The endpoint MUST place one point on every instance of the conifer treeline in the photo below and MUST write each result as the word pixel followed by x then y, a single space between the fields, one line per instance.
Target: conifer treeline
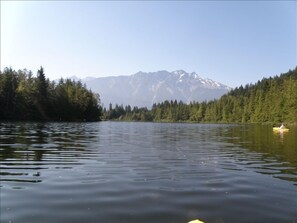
pixel 24 97
pixel 271 100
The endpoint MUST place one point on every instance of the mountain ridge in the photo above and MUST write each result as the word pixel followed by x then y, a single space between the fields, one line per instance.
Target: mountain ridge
pixel 143 89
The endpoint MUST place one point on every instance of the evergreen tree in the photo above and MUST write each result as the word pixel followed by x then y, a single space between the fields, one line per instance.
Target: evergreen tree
pixel 23 97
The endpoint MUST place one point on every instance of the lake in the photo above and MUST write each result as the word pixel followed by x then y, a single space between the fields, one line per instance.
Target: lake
pixel 112 172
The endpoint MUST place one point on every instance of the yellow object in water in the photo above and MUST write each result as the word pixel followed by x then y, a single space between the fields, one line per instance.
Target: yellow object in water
pixel 196 221
pixel 280 130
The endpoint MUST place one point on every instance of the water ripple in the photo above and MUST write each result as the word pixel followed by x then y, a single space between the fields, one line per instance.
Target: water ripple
pixel 145 172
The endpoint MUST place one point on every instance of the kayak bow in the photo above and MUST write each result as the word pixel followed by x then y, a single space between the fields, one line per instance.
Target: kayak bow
pixel 196 221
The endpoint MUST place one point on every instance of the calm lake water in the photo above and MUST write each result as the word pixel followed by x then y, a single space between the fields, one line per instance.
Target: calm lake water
pixel 112 172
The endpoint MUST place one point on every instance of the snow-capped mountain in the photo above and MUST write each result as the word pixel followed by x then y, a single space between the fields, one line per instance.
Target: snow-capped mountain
pixel 144 89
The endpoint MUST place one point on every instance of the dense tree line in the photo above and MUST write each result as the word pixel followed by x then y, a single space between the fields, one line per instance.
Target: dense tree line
pixel 271 100
pixel 25 97
pixel 119 112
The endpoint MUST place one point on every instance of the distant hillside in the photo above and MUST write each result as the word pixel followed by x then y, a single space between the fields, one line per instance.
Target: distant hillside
pixel 144 89
pixel 271 100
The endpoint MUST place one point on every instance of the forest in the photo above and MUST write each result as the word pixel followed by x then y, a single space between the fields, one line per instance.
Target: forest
pixel 270 100
pixel 24 97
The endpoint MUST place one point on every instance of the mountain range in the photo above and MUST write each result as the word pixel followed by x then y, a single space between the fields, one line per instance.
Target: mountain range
pixel 143 89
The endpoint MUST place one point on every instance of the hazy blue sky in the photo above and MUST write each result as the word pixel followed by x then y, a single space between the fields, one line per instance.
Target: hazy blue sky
pixel 233 42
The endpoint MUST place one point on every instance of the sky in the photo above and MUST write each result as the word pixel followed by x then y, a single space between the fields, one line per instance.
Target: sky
pixel 233 42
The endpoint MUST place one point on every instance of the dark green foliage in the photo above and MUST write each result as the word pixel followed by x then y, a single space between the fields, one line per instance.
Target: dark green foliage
pixel 24 97
pixel 272 100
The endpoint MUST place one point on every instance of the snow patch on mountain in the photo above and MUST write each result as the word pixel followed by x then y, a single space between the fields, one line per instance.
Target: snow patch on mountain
pixel 144 89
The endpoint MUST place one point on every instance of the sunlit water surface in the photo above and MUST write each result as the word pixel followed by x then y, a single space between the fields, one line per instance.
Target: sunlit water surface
pixel 112 172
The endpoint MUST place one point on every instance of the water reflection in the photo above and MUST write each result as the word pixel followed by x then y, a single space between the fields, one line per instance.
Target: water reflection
pixel 267 152
pixel 28 148
pixel 146 172
pixel 280 136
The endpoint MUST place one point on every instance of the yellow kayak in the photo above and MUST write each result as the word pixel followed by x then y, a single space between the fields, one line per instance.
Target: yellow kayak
pixel 196 221
pixel 278 129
